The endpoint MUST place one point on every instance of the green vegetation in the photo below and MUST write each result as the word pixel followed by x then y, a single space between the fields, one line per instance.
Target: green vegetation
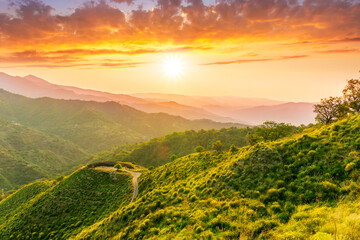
pixel 27 154
pixel 288 189
pixel 301 187
pixel 95 126
pixel 68 206
pixel 217 146
pixel 271 131
pixel 289 183
pixel 159 151
pixel 15 202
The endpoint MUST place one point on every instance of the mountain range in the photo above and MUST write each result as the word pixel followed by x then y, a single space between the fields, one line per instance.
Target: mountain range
pixel 46 137
pixel 251 111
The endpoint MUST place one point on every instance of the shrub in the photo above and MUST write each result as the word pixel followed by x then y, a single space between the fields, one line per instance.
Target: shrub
pixel 198 229
pixel 217 146
pixel 275 207
pixel 350 166
pixel 193 198
pixel 60 178
pixel 173 157
pixel 199 149
pixel 219 223
pixel 118 166
pixel 263 225
pixel 233 149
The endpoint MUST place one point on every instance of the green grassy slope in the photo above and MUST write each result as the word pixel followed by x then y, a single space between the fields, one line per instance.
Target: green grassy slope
pixel 158 151
pixel 94 126
pixel 27 154
pixel 68 206
pixel 14 203
pixel 288 189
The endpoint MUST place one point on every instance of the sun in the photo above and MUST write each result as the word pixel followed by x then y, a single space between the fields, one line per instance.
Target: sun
pixel 173 67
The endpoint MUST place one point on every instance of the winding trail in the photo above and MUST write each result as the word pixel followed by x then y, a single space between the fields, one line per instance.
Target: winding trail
pixel 135 176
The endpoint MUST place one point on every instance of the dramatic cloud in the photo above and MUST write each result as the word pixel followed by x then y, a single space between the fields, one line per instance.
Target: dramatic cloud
pixel 174 23
pixel 60 59
pixel 128 2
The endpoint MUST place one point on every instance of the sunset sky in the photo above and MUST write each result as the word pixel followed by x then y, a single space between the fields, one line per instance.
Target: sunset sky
pixel 280 49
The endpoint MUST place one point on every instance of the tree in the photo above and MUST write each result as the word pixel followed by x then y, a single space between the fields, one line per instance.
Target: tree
pixel 351 94
pixel 173 157
pixel 330 109
pixel 233 149
pixel 60 178
pixel 217 146
pixel 270 131
pixel 252 138
pixel 199 149
pixel 118 166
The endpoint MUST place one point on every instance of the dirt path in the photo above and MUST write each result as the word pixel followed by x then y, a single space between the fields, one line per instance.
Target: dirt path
pixel 135 175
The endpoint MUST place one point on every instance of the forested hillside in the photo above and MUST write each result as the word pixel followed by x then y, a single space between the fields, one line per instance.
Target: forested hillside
pixel 301 187
pixel 95 126
pixel 288 189
pixel 27 154
pixel 60 209
pixel 159 151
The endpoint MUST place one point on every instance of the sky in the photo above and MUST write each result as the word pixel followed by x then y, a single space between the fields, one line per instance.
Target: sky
pixel 279 49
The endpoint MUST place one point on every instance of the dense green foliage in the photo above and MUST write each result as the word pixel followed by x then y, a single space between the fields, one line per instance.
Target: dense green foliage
pixel 159 151
pixel 27 154
pixel 94 126
pixel 271 131
pixel 287 189
pixel 65 208
pixel 14 203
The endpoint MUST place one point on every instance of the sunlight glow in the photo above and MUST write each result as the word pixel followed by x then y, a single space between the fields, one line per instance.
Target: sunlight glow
pixel 173 67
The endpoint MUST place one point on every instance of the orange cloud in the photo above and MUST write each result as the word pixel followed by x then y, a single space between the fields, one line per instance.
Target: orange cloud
pixel 184 27
pixel 60 59
pixel 256 60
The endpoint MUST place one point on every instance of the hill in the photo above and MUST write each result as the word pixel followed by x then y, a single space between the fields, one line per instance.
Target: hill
pixel 57 210
pixel 27 154
pixel 34 87
pixel 251 111
pixel 295 113
pixel 159 151
pixel 95 126
pixel 289 189
pixel 205 101
pixel 301 187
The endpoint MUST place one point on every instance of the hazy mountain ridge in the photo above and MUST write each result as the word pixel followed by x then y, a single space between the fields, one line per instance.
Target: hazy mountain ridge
pixel 34 87
pixel 223 109
pixel 294 113
pixel 46 137
pixel 95 126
